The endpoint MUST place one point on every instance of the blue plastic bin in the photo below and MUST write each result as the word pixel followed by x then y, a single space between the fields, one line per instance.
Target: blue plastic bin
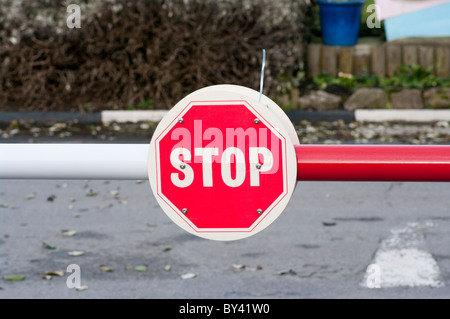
pixel 340 21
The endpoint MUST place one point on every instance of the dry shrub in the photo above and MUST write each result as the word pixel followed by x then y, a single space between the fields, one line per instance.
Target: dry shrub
pixel 129 52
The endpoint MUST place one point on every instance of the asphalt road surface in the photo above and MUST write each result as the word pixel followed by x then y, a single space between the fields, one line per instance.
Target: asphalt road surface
pixel 334 240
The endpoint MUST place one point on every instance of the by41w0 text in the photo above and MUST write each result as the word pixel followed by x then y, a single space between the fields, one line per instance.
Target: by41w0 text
pixel 226 308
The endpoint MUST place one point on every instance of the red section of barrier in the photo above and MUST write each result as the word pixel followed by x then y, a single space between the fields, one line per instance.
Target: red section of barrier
pixel 409 163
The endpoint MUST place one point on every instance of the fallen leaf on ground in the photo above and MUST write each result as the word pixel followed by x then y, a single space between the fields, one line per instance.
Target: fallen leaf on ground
pixel 106 268
pixel 14 278
pixel 75 253
pixel 105 206
pixel 114 192
pixel 238 266
pixel 141 268
pixel 91 193
pixel 81 288
pixel 58 273
pixel 188 276
pixel 287 272
pixel 328 223
pixel 69 233
pixel 242 266
pixel 48 246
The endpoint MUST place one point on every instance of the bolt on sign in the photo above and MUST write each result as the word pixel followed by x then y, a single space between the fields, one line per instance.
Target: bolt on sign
pixel 222 164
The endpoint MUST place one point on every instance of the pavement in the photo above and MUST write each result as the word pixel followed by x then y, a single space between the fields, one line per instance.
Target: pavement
pixel 324 245
pixel 334 240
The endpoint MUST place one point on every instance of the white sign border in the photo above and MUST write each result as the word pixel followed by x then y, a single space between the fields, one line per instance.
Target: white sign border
pixel 268 116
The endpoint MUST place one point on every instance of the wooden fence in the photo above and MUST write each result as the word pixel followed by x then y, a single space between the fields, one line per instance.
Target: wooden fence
pixel 381 59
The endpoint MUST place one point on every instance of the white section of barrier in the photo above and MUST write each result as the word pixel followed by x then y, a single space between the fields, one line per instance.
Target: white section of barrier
pixel 74 161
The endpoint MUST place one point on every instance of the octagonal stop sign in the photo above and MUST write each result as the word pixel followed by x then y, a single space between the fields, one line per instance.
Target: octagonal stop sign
pixel 221 164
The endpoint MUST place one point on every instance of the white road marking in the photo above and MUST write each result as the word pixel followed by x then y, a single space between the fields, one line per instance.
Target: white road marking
pixel 402 261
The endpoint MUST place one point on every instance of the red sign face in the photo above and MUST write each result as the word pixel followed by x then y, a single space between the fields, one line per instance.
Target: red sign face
pixel 220 168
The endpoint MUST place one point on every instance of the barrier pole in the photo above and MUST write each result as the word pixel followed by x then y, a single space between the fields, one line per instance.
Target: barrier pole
pixel 409 163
